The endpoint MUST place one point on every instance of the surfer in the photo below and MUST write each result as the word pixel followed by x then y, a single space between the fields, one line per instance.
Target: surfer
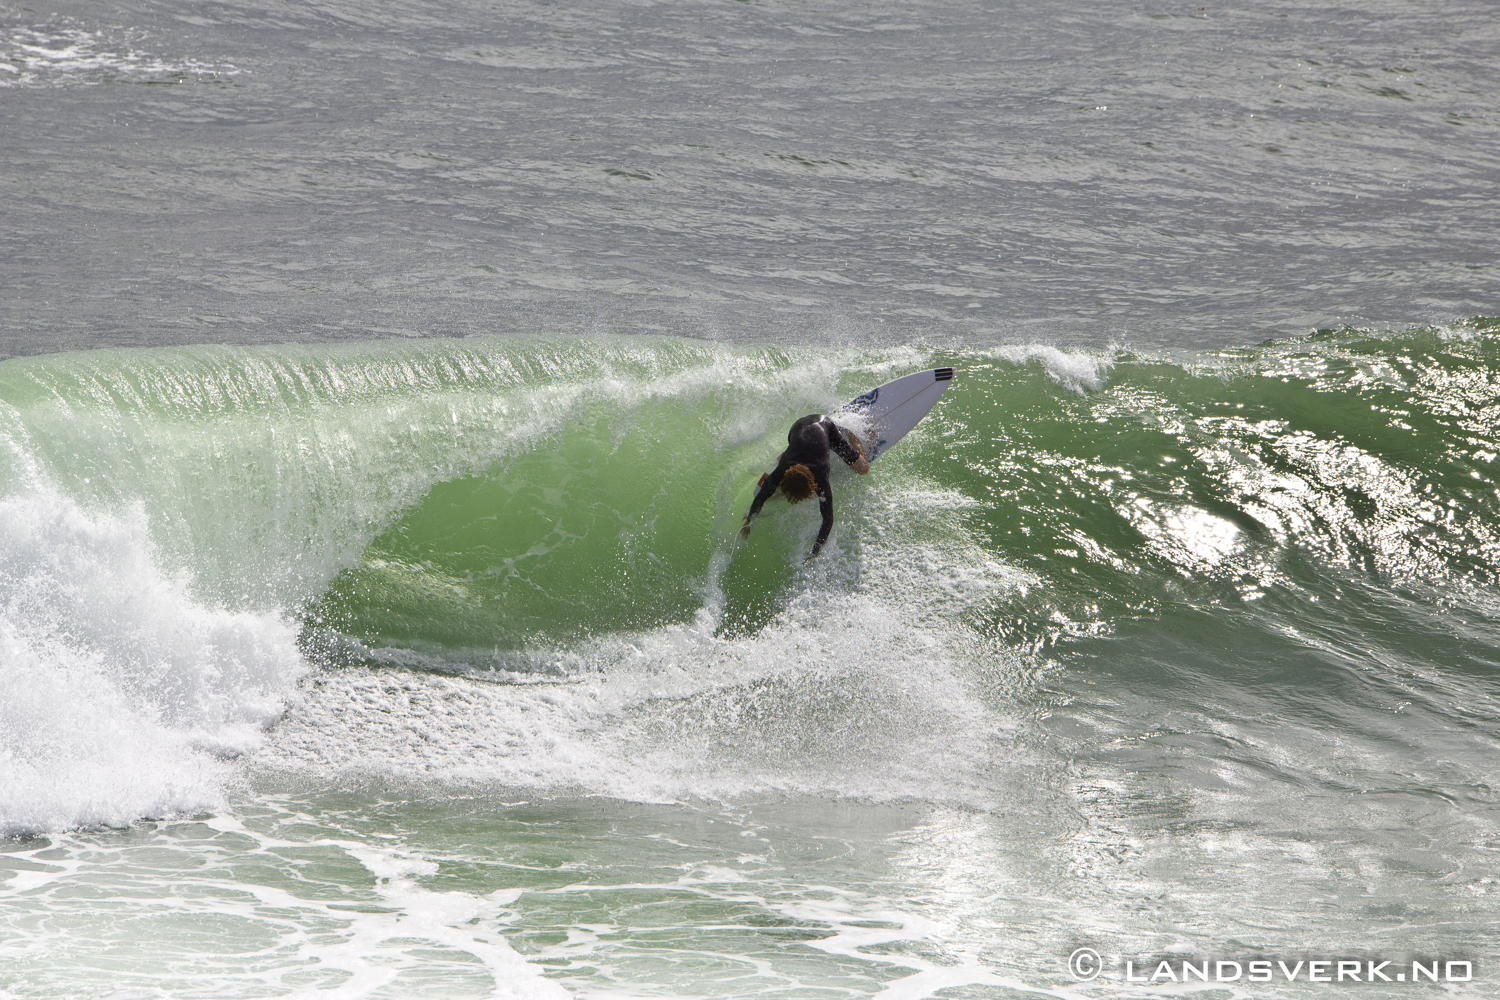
pixel 802 469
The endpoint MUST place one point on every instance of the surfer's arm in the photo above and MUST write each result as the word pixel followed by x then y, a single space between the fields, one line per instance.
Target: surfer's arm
pixel 825 507
pixel 767 489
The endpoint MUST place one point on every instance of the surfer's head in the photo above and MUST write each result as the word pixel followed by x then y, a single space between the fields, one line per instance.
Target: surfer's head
pixel 797 483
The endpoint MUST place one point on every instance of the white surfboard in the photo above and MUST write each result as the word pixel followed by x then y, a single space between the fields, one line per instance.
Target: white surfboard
pixel 886 413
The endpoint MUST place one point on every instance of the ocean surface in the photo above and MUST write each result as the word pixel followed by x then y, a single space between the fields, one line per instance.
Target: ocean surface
pixel 382 385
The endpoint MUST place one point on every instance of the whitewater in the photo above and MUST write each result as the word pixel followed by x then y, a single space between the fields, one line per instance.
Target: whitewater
pixel 383 387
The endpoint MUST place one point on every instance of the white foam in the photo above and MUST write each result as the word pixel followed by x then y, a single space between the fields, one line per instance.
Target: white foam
pixel 1073 371
pixel 65 54
pixel 244 889
pixel 120 696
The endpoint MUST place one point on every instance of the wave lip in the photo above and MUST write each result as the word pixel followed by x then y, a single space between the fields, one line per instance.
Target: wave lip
pixel 1073 370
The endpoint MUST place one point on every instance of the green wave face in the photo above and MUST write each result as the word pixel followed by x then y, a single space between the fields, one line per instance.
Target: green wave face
pixel 609 527
pixel 1266 474
pixel 472 500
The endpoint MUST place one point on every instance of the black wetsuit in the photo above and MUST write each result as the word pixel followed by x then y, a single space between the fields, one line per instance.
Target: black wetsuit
pixel 808 443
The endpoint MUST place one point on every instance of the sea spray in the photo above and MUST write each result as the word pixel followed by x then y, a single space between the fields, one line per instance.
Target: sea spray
pixel 121 695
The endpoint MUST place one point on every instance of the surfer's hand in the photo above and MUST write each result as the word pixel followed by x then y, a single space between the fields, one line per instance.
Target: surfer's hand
pixel 861 464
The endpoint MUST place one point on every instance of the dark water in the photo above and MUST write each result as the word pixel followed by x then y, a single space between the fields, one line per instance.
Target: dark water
pixel 1158 174
pixel 392 668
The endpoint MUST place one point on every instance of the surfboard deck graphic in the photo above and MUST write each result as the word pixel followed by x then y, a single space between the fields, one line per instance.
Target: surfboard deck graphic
pixel 888 412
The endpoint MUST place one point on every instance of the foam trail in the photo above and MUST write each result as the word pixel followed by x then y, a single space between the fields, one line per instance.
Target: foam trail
pixel 857 688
